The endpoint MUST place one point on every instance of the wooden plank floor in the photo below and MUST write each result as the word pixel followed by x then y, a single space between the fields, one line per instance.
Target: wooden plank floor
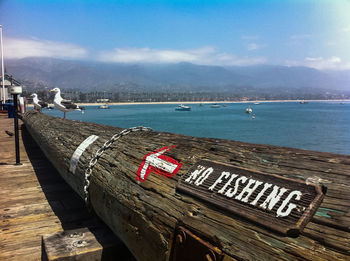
pixel 34 199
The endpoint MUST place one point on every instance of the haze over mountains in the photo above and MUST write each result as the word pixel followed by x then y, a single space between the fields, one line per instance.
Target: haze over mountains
pixel 181 77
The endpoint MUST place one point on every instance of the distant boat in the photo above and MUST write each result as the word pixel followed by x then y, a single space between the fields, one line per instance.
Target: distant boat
pixel 256 103
pixel 104 106
pixel 303 102
pixel 249 110
pixel 215 105
pixel 224 105
pixel 182 107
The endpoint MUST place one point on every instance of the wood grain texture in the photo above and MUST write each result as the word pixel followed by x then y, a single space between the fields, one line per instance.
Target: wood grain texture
pixel 144 214
pixel 34 199
pixel 84 244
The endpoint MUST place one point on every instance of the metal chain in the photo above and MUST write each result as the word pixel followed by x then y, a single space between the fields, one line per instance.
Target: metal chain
pixel 99 153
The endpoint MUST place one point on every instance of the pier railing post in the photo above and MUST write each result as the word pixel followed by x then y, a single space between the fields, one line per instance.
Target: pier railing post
pixel 16 129
pixel 15 90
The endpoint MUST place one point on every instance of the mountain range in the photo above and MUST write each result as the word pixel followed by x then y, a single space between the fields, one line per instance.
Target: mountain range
pixel 180 77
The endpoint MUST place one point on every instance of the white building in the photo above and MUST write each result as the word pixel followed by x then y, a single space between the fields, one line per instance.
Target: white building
pixel 8 82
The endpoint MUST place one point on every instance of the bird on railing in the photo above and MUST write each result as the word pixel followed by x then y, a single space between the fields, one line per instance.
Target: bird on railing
pixel 64 105
pixel 38 104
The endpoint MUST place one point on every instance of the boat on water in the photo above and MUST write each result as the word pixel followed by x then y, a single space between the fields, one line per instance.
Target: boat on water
pixel 249 110
pixel 256 103
pixel 303 102
pixel 103 106
pixel 182 107
pixel 215 105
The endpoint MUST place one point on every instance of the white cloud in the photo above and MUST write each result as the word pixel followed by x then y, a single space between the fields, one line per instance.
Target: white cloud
pixel 331 43
pixel 204 56
pixel 21 48
pixel 135 55
pixel 250 37
pixel 255 46
pixel 297 39
pixel 300 36
pixel 252 47
pixel 320 63
pixel 345 29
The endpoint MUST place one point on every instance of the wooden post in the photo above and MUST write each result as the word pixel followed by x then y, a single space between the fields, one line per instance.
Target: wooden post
pixel 144 212
pixel 82 244
pixel 15 114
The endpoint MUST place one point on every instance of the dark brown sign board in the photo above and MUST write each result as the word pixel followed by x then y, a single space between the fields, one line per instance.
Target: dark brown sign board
pixel 282 204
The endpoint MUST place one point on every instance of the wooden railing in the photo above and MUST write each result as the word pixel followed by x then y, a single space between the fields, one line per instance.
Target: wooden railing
pixel 134 188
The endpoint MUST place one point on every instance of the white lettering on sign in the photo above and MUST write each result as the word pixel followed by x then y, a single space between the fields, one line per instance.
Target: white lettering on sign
pixel 248 190
pixel 79 151
pixel 262 192
pixel 233 183
pixel 291 206
pixel 231 192
pixel 233 176
pixel 194 175
pixel 219 180
pixel 203 177
pixel 273 197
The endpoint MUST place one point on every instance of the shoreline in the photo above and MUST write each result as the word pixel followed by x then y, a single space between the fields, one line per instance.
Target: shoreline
pixel 199 102
pixel 205 102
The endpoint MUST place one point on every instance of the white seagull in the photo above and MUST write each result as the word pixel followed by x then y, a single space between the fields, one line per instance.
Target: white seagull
pixel 64 105
pixel 38 104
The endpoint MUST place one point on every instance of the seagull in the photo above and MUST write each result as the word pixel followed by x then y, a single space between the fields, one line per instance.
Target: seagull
pixel 64 105
pixel 38 105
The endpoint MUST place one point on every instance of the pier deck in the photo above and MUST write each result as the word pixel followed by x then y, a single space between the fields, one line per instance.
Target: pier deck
pixel 34 199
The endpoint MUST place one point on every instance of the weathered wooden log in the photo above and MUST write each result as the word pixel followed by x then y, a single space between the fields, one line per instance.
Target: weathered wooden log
pixel 145 211
pixel 84 244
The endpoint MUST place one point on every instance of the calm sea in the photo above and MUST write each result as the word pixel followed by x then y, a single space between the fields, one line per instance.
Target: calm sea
pixel 321 126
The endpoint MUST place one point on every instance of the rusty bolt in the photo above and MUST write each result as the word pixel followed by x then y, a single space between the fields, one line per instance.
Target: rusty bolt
pixel 180 237
pixel 79 243
pixel 210 256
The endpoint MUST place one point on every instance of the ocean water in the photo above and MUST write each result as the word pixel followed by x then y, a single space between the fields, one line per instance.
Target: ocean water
pixel 320 126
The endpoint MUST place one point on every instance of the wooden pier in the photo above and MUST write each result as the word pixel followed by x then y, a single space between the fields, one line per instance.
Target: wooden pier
pixel 165 218
pixel 35 201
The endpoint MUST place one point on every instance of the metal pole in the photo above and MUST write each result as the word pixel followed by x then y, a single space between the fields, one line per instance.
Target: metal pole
pixel 16 129
pixel 2 67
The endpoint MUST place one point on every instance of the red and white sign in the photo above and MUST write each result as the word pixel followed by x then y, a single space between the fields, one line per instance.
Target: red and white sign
pixel 158 163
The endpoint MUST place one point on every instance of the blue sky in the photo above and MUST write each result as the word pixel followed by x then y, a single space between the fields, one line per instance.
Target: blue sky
pixel 237 32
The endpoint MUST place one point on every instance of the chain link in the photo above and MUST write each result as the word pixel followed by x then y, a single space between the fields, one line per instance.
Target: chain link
pixel 99 153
